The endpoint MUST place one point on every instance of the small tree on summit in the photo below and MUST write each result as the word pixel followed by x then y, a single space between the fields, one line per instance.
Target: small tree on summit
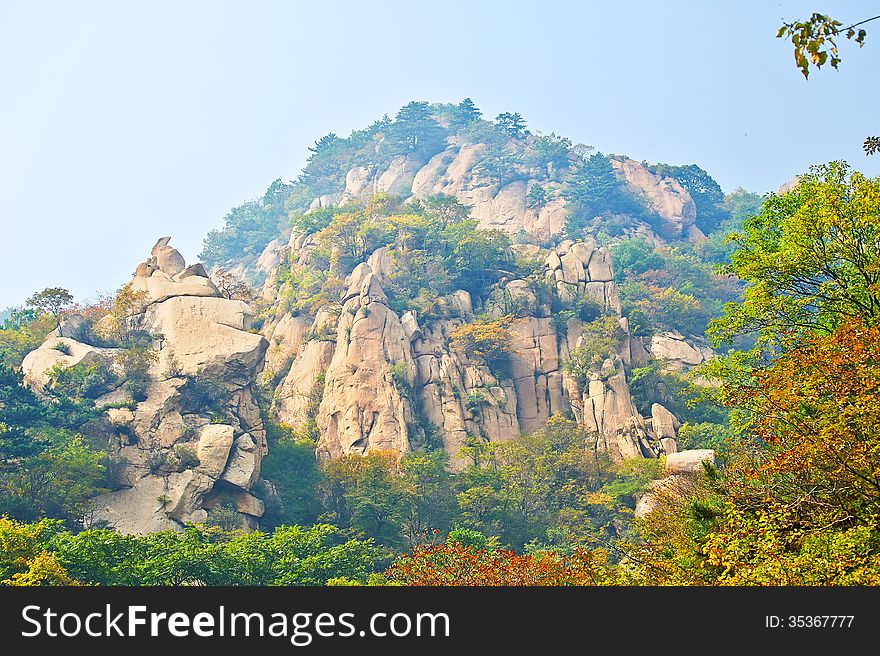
pixel 465 113
pixel 513 124
pixel 414 128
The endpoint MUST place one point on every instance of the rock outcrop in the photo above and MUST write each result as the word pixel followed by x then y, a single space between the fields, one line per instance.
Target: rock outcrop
pixel 669 200
pixel 193 439
pixel 62 352
pixel 364 405
pixel 368 378
pixel 455 171
pixel 683 470
pixel 677 352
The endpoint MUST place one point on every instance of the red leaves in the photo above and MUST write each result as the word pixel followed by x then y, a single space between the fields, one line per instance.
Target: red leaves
pixel 457 565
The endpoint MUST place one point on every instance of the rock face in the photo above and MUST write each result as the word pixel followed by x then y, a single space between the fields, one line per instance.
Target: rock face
pixel 369 379
pixel 672 203
pixel 195 440
pixel 689 462
pixel 364 405
pixel 677 352
pixel 665 426
pixel 455 171
pixel 62 352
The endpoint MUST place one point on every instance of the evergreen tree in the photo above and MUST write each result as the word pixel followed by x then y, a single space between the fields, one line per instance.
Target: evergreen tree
pixel 415 130
pixel 465 113
pixel 513 124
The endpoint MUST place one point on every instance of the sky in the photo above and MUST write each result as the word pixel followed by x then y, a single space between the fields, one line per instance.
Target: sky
pixel 124 122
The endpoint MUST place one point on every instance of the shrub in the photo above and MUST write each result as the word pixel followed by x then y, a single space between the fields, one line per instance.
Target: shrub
pixel 474 401
pixel 62 347
pixel 135 363
pixel 484 338
pixel 202 395
pixel 84 380
pixel 400 374
pixel 600 340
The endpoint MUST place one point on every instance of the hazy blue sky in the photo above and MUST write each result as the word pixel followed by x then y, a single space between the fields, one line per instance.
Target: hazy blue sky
pixel 124 121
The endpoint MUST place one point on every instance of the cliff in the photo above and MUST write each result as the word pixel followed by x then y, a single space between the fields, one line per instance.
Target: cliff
pixel 435 298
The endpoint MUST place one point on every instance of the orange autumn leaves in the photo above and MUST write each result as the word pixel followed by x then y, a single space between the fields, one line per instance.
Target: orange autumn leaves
pixel 818 407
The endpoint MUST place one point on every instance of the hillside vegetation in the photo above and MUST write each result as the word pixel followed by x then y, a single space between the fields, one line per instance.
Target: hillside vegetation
pixel 454 351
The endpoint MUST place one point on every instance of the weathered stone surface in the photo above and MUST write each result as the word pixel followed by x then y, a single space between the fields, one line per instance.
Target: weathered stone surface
pixel 535 369
pixel 214 445
pixel 380 264
pixel 168 453
pixel 363 408
pixel 248 504
pixel 689 462
pixel 270 258
pixel 71 326
pixel 458 396
pixel 243 467
pixel 185 492
pixel 206 336
pixel 398 178
pixel 664 195
pixel 411 325
pixel 160 286
pixel 169 260
pixel 40 361
pixel 665 427
pixel 136 511
pixel 286 339
pixel 677 352
pixel 358 181
pixel 197 269
pixel 300 393
pixel 666 489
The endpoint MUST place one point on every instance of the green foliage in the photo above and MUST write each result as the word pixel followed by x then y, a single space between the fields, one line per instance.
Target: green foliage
pixel 399 502
pixel 474 401
pixel 668 288
pixel 293 472
pixel 402 377
pixel 290 555
pixel 432 246
pixel 58 482
pixel 634 257
pixel 23 331
pixel 600 340
pixel 464 114
pixel 201 394
pixel 50 301
pixel 84 380
pixel 814 40
pixel 739 205
pixel 692 403
pixel 537 197
pixel 416 131
pixel 467 537
pixel 135 363
pixel 512 124
pixel 809 259
pixel 313 221
pixel 704 435
pixel 248 228
pixel 550 152
pixel 542 484
pixel 593 188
